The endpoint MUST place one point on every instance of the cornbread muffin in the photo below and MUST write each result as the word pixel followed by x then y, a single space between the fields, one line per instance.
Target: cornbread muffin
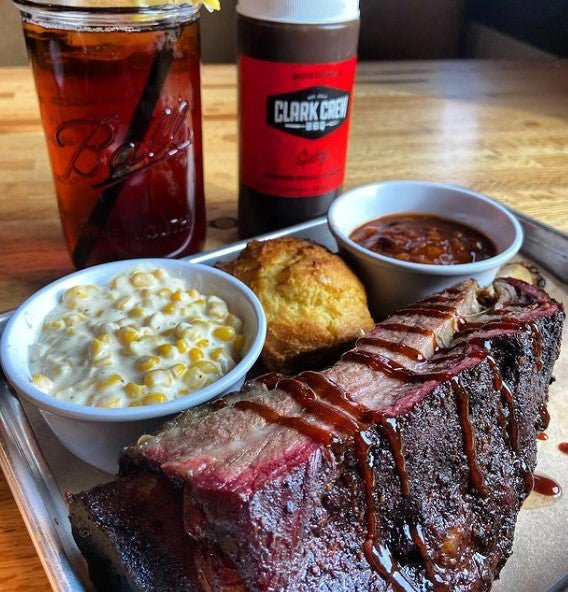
pixel 315 305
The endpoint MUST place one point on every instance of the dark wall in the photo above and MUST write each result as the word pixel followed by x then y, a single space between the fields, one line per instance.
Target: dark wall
pixel 421 29
pixel 542 23
pixel 411 29
pixel 390 29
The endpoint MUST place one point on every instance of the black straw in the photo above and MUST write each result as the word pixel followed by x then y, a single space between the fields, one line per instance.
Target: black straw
pixel 141 120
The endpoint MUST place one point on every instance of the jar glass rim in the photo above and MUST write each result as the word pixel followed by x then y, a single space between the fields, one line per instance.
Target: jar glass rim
pixel 114 6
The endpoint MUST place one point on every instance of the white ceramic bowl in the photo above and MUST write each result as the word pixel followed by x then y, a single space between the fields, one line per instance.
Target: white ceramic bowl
pixel 97 435
pixel 392 283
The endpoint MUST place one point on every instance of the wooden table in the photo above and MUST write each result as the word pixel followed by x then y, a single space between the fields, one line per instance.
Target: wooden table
pixel 499 127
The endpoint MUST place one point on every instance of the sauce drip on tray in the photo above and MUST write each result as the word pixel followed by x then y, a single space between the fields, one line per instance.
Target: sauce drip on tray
pixel 546 486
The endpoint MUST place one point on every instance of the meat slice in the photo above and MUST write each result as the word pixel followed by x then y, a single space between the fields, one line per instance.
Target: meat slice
pixel 131 533
pixel 401 468
pixel 236 448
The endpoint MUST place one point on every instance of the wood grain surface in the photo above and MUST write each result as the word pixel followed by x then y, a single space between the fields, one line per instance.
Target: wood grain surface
pixel 498 127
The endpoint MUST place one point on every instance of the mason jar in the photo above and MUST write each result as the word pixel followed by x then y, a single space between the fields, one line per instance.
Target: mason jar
pixel 119 92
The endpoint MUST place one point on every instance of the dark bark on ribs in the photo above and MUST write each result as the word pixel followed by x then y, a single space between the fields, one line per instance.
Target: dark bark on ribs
pixel 131 533
pixel 291 513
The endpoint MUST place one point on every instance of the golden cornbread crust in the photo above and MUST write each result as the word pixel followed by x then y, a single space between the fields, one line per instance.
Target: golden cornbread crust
pixel 314 304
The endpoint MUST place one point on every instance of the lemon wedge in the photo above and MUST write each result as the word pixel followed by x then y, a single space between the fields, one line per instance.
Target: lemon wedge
pixel 212 5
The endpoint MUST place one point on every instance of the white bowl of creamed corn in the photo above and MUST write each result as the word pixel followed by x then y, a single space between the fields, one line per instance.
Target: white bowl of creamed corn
pixel 109 352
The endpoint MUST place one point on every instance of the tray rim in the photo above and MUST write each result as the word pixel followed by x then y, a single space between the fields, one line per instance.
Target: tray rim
pixel 33 485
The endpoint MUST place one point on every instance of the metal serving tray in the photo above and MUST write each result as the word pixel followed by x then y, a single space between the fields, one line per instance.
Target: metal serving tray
pixel 39 469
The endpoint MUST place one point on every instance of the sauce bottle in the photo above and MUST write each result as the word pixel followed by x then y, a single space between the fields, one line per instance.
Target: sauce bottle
pixel 297 61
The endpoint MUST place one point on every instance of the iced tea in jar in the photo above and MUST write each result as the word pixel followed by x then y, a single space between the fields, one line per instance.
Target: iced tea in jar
pixel 119 93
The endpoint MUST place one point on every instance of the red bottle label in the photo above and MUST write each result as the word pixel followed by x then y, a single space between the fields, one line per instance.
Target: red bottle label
pixel 294 125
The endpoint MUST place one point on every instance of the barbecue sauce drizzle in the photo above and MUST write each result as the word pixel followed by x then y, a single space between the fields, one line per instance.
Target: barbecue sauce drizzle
pixel 332 406
pixel 537 346
pixel 476 479
pixel 399 348
pixel 412 329
pixel 505 392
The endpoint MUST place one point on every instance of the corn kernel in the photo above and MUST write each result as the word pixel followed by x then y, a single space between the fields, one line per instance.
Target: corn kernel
pixel 59 324
pixel 132 349
pixel 217 353
pixel 166 350
pixel 158 378
pixel 109 402
pixel 96 349
pixel 194 378
pixel 159 274
pixel 167 332
pixel 106 338
pixel 226 333
pixel 73 319
pixel 137 312
pixel 216 307
pixel 83 385
pixel 234 321
pixel 182 392
pixel 156 321
pixel 75 293
pixel 91 288
pixel 206 367
pixel 202 343
pixel 151 340
pixel 127 335
pixel 182 346
pixel 147 363
pixel 124 303
pixel 169 309
pixel 181 328
pixel 154 399
pixel 165 292
pixel 179 369
pixel 134 390
pixel 113 380
pixel 238 344
pixel 195 354
pixel 55 370
pixel 199 301
pixel 102 362
pixel 140 280
pixel 70 331
pixel 193 293
pixel 42 382
pixel 103 328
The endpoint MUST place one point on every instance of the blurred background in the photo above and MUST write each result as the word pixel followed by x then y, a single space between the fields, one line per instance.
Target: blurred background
pixel 395 30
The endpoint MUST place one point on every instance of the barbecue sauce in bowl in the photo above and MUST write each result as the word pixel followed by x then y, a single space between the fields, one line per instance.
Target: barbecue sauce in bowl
pixel 424 238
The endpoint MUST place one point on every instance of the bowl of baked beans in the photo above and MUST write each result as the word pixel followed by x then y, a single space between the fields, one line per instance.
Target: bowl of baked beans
pixel 409 239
